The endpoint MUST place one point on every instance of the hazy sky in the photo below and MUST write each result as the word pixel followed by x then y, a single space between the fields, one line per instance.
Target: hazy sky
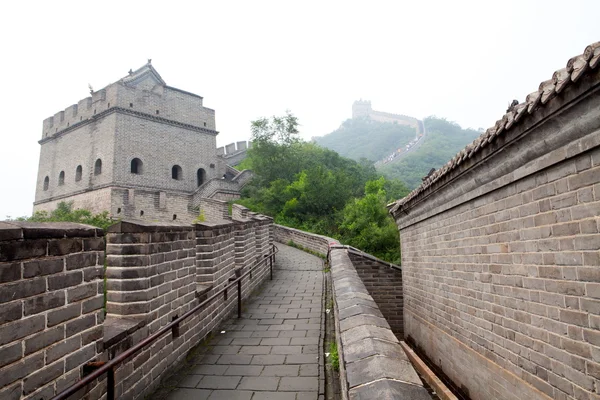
pixel 462 60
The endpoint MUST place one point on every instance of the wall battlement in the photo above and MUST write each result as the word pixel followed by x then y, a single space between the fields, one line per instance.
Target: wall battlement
pixel 363 108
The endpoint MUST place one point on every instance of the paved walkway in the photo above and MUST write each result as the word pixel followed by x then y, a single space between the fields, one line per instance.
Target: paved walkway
pixel 275 351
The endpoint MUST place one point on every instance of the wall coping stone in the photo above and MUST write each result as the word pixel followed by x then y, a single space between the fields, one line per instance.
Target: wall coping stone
pixel 370 354
pixel 116 329
pixel 136 226
pixel 208 226
pixel 15 230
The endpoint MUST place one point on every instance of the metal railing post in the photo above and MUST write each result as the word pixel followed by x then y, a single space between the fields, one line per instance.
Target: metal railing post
pixel 239 287
pixel 110 383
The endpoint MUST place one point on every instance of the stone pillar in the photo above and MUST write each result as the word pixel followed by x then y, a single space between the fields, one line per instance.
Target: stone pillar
pixel 261 235
pixel 215 253
pixel 51 298
pixel 150 271
pixel 245 242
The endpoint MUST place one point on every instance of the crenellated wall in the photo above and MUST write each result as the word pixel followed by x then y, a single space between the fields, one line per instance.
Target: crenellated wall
pixel 51 316
pixel 52 322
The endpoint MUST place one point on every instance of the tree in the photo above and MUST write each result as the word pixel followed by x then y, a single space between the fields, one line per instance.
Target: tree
pixel 64 212
pixel 367 224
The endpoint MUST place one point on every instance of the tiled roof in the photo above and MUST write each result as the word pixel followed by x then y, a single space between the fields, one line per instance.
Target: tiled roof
pixel 576 68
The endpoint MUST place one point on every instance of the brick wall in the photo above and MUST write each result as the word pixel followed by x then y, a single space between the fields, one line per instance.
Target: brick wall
pixel 311 241
pixel 214 210
pixel 51 298
pixel 151 271
pixel 215 253
pixel 500 259
pixel 383 281
pixel 50 306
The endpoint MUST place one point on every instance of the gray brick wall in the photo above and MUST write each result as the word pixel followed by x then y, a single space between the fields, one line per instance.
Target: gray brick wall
pixel 51 298
pixel 500 260
pixel 150 272
pixel 383 281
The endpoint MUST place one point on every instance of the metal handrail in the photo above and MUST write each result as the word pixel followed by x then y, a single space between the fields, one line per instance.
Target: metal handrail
pixel 110 366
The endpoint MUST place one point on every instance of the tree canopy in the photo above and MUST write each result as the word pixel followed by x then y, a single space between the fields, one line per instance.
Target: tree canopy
pixel 306 186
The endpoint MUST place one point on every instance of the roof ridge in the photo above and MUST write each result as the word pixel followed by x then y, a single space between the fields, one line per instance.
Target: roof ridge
pixel 576 67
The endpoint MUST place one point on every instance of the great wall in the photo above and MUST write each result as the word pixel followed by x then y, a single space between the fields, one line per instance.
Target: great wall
pixel 497 297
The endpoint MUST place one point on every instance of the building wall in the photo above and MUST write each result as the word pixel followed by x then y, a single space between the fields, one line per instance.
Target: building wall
pixel 500 259
pixel 81 146
pixel 161 146
pixel 96 201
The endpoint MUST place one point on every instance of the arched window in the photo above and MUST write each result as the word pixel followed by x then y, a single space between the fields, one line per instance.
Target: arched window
pixel 46 183
pixel 201 176
pixel 176 172
pixel 98 167
pixel 78 173
pixel 136 166
pixel 61 178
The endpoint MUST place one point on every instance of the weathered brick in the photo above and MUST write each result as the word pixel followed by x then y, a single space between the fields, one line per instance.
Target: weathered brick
pixel 11 311
pixel 10 272
pixel 45 266
pixel 19 250
pixel 21 328
pixel 81 292
pixel 44 302
pixel 80 324
pixel 63 314
pixel 59 350
pixel 18 370
pixel 10 353
pixel 44 339
pixel 81 260
pixel 21 289
pixel 61 281
pixel 62 247
pixel 39 378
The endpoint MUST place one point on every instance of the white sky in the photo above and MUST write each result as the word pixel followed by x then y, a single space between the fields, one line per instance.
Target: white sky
pixel 463 60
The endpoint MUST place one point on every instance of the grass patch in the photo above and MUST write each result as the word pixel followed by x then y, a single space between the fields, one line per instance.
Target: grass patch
pixel 291 243
pixel 334 358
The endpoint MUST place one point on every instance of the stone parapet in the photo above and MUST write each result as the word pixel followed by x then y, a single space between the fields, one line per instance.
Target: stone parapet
pixel 51 298
pixel 311 241
pixel 150 271
pixel 245 242
pixel 372 362
pixel 215 253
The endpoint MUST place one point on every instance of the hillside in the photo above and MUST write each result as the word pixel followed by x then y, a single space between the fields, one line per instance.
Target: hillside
pixel 443 140
pixel 364 138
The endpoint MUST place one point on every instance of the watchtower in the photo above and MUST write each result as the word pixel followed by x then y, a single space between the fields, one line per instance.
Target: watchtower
pixel 361 108
pixel 136 148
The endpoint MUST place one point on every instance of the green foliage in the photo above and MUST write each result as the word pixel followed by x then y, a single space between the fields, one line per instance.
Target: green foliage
pixel 367 225
pixel 64 212
pixel 443 140
pixel 364 138
pixel 314 189
pixel 201 217
pixel 334 357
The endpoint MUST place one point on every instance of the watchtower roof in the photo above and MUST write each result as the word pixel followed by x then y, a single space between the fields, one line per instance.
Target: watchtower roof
pixel 140 73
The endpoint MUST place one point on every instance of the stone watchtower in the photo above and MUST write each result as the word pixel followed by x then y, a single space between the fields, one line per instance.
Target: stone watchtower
pixel 137 148
pixel 361 108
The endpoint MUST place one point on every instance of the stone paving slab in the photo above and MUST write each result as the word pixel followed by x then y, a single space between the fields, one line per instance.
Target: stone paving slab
pixel 274 352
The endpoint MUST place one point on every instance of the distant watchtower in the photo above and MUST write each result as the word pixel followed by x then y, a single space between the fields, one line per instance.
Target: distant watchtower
pixel 361 108
pixel 136 148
